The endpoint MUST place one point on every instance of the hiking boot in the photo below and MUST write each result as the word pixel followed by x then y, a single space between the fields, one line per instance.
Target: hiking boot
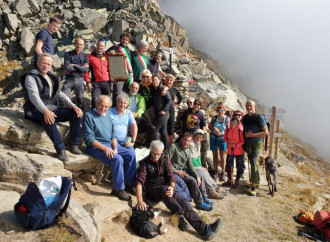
pixel 215 195
pixel 183 225
pixel 131 190
pixel 75 150
pixel 212 229
pixel 208 201
pixel 222 177
pixel 227 183
pixel 236 184
pixel 215 177
pixel 253 192
pixel 218 189
pixel 61 155
pixel 204 206
pixel 121 194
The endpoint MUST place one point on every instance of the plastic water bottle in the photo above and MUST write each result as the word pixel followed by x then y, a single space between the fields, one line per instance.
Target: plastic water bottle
pixel 50 189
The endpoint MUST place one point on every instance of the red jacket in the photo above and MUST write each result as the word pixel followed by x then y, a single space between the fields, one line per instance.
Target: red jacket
pixel 237 136
pixel 99 67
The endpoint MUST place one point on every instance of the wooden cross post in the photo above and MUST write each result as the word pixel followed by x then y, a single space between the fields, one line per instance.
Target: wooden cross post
pixel 277 139
pixel 271 135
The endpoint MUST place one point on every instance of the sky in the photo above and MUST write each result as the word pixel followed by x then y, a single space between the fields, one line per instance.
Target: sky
pixel 277 51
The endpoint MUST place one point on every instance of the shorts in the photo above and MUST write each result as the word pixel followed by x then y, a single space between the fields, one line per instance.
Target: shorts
pixel 217 143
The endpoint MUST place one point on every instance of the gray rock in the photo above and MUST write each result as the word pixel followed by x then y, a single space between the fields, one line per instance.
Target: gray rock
pixel 118 27
pixel 34 6
pixel 175 70
pixel 12 22
pixel 27 41
pixel 90 19
pixel 21 167
pixel 57 64
pixel 94 209
pixel 200 68
pixel 67 14
pixel 23 8
pixel 83 221
pixel 76 4
pixel 8 201
pixel 49 1
pixel 40 2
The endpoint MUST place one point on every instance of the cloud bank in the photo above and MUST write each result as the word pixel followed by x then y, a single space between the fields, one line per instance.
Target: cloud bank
pixel 277 51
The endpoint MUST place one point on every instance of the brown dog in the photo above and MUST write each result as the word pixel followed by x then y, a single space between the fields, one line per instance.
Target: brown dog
pixel 271 174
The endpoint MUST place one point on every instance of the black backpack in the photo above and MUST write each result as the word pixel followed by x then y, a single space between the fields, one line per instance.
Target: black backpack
pixel 31 211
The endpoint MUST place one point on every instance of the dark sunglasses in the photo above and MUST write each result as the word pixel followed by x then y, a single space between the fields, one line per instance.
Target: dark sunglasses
pixel 197 104
pixel 189 102
pixel 237 114
pixel 145 76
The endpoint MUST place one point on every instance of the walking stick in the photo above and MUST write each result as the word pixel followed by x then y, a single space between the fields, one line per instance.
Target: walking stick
pixel 249 153
pixel 232 167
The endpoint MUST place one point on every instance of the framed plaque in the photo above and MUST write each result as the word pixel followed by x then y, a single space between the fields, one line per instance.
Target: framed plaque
pixel 117 67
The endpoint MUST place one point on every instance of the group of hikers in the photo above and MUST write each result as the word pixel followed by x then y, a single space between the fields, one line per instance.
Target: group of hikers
pixel 141 104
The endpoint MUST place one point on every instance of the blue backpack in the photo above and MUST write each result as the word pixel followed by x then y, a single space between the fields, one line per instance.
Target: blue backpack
pixel 31 211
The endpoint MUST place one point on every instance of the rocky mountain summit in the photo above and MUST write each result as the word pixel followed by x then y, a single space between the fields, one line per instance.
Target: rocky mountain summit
pixel 26 151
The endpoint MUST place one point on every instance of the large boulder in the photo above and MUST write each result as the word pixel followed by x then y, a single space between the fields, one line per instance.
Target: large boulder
pixel 27 41
pixel 20 132
pixel 90 19
pixel 118 27
pixel 23 8
pixel 22 168
pixel 12 22
pixel 34 6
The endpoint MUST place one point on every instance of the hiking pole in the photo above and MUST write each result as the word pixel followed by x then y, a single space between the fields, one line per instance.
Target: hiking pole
pixel 232 167
pixel 309 236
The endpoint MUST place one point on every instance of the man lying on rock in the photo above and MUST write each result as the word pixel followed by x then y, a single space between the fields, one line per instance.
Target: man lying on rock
pixel 101 142
pixel 156 175
pixel 43 104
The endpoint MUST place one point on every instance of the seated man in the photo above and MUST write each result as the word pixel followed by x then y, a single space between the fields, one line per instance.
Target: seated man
pixel 155 173
pixel 43 98
pixel 122 119
pixel 208 186
pixel 101 142
pixel 137 103
pixel 180 155
pixel 76 64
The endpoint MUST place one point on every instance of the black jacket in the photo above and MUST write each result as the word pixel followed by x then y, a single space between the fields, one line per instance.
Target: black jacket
pixel 161 102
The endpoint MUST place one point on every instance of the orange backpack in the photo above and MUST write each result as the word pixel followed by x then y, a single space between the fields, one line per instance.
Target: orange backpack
pixel 305 217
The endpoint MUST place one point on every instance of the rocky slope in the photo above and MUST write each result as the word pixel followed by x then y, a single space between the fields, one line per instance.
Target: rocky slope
pixel 26 152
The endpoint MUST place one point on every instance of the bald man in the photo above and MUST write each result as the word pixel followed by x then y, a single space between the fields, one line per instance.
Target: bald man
pixel 76 64
pixel 255 128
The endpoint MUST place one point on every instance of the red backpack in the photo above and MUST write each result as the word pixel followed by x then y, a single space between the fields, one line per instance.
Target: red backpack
pixel 322 223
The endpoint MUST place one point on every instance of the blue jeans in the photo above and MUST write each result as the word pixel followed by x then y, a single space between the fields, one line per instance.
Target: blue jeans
pixel 122 165
pixel 63 115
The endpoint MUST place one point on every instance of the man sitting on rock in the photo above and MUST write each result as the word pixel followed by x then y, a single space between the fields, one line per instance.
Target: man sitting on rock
pixel 76 64
pixel 180 155
pixel 43 99
pixel 122 120
pixel 137 103
pixel 101 142
pixel 156 175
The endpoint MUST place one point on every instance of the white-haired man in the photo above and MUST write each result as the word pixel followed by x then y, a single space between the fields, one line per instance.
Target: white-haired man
pixel 140 60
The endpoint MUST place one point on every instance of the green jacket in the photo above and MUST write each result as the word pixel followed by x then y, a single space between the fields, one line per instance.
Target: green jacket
pixel 141 104
pixel 181 158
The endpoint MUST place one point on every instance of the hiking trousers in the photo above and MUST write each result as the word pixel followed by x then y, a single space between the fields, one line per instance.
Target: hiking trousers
pixel 253 151
pixel 122 165
pixel 100 88
pixel 63 115
pixel 77 84
pixel 240 166
pixel 177 205
pixel 208 185
pixel 193 188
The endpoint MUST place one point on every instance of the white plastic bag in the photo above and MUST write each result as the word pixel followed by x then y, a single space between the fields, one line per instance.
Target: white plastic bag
pixel 50 189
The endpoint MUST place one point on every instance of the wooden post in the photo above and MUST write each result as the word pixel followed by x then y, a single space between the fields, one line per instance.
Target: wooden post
pixel 271 135
pixel 277 139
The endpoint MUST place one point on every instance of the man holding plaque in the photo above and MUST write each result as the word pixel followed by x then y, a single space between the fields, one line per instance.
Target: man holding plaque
pixel 122 48
pixel 140 60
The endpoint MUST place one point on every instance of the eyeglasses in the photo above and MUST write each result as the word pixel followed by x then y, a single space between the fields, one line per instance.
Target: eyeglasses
pixel 145 76
pixel 197 104
pixel 238 114
pixel 189 102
